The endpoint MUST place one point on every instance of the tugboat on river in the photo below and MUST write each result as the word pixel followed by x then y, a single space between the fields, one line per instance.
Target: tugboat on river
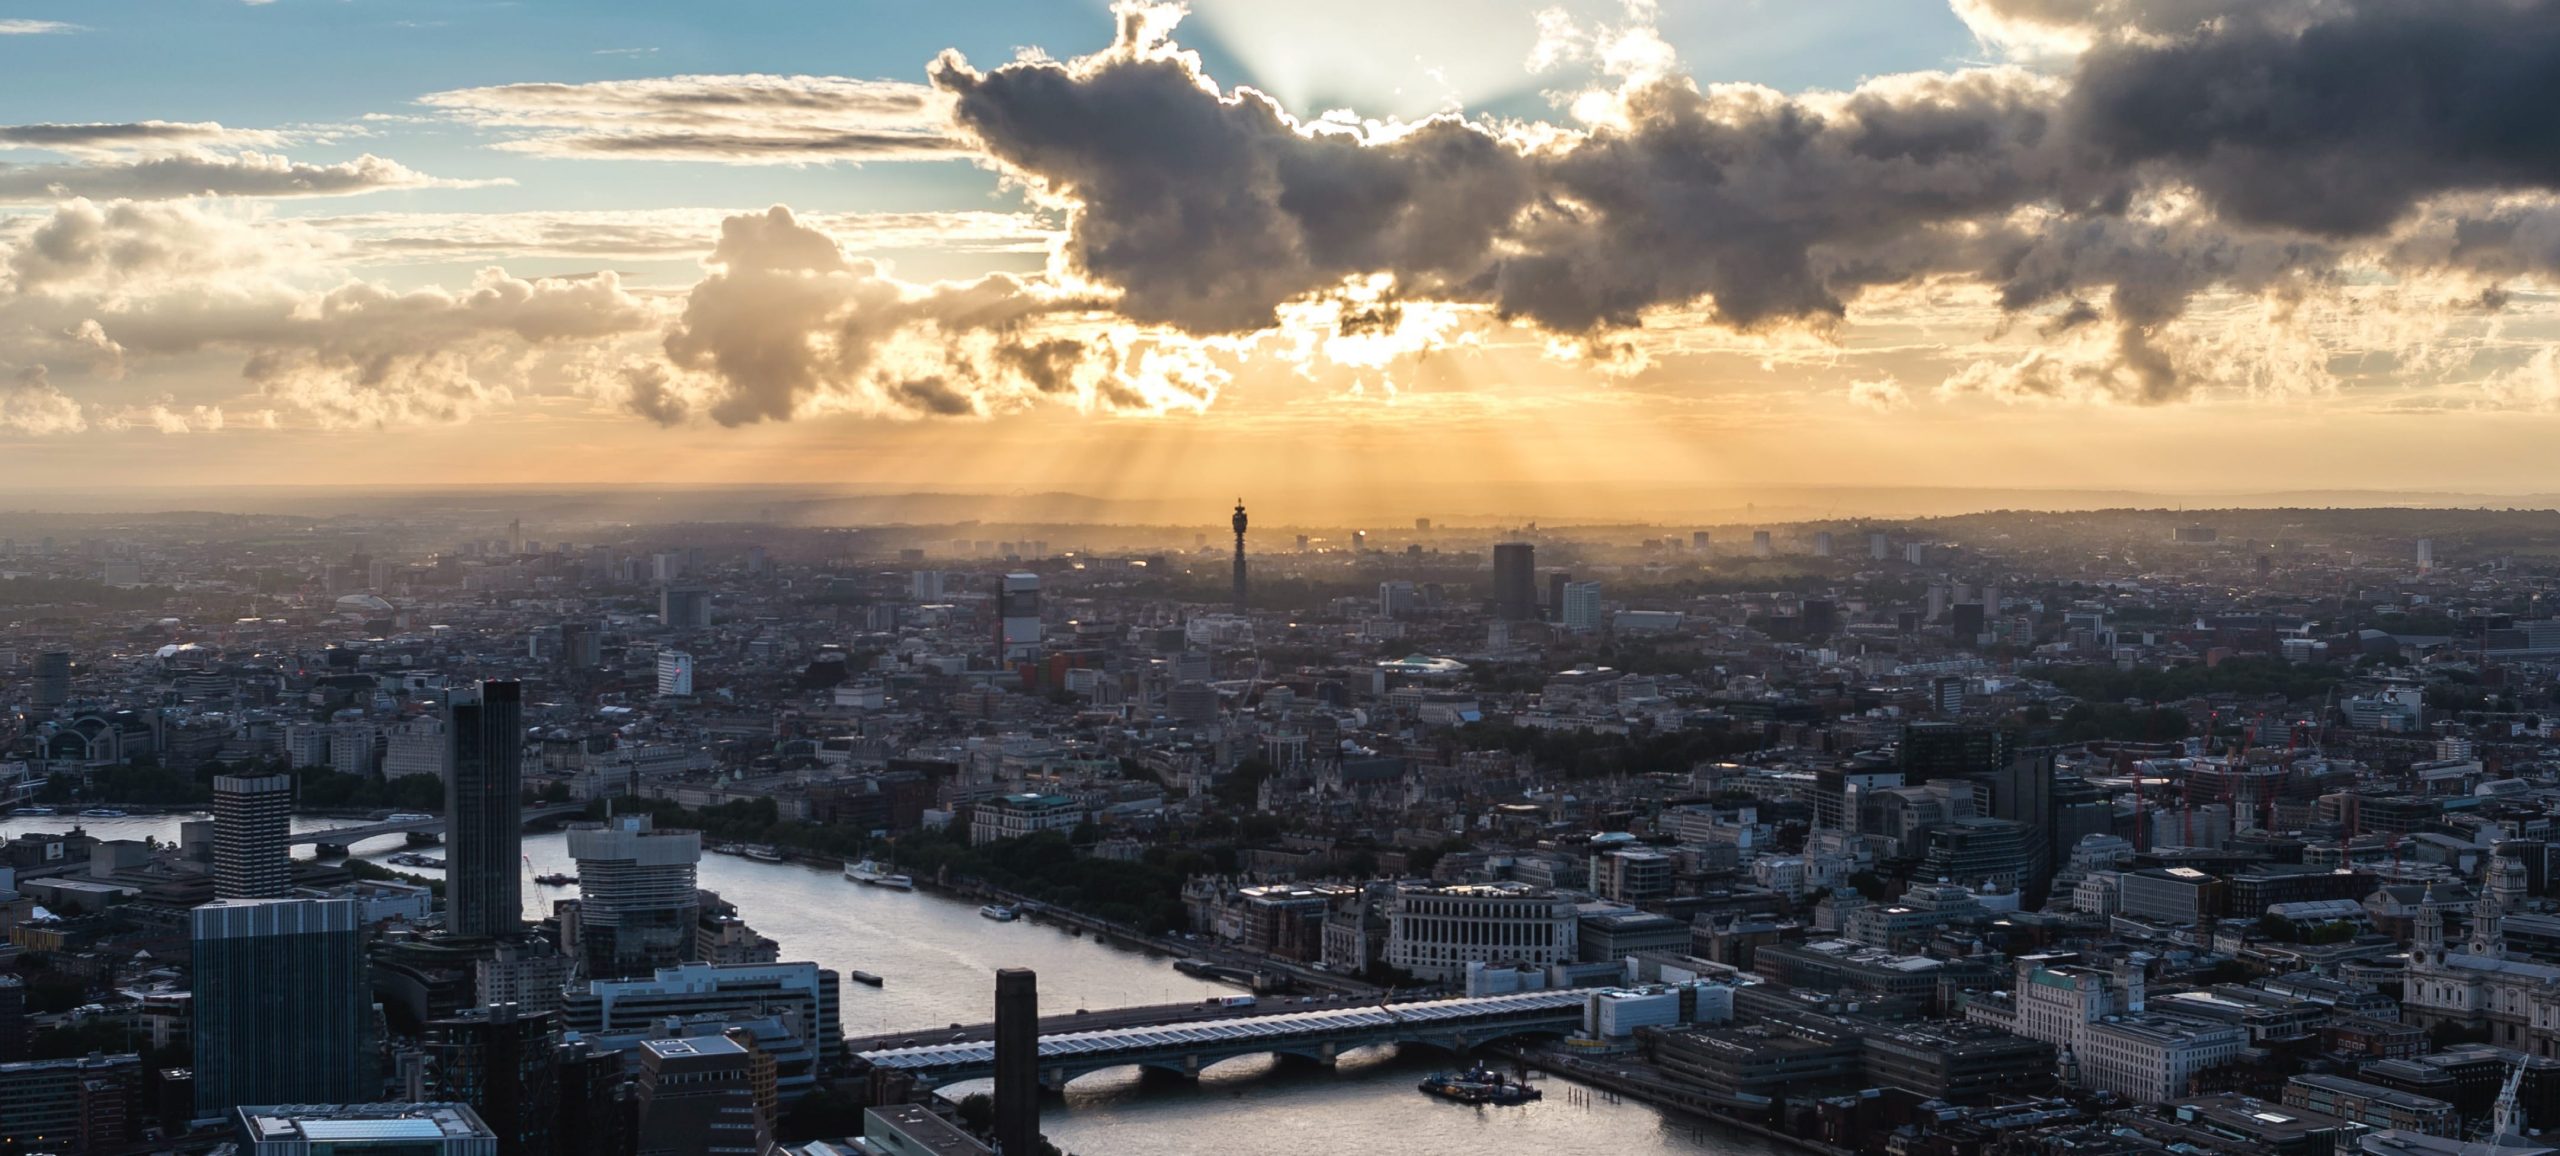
pixel 1479 1085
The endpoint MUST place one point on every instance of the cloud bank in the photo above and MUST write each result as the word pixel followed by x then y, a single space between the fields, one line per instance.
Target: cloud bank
pixel 2142 202
pixel 2179 147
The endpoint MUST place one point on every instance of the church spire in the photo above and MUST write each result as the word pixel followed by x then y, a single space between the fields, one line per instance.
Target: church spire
pixel 2488 933
pixel 2510 1121
pixel 2428 948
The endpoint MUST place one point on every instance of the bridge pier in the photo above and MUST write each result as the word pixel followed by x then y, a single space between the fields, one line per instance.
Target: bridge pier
pixel 1323 1058
pixel 1188 1073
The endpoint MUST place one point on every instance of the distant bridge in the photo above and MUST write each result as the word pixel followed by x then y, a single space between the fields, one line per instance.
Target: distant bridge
pixel 1186 1048
pixel 337 840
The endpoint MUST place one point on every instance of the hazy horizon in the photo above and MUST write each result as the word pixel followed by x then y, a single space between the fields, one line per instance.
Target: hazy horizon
pixel 808 505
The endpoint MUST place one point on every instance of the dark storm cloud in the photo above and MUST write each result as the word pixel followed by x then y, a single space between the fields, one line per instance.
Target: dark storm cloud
pixel 1209 212
pixel 2343 127
pixel 2304 128
pixel 1050 366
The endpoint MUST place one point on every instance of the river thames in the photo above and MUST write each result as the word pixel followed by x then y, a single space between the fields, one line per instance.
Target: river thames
pixel 939 958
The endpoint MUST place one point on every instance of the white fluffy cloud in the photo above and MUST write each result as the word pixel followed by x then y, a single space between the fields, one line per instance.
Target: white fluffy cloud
pixel 111 284
pixel 786 325
pixel 1883 394
pixel 29 404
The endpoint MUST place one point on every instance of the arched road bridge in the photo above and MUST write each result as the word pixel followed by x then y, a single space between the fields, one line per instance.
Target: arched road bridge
pixel 336 840
pixel 1186 1048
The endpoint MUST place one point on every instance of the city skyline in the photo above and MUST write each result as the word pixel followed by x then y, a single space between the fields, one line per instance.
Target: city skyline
pixel 1973 244
pixel 855 577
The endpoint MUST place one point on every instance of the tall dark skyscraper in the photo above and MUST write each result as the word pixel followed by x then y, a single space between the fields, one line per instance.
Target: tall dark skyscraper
pixel 581 645
pixel 252 819
pixel 484 813
pixel 1515 582
pixel 1017 1060
pixel 2011 782
pixel 13 1019
pixel 506 1065
pixel 1821 619
pixel 1239 524
pixel 283 1012
pixel 697 1095
pixel 53 678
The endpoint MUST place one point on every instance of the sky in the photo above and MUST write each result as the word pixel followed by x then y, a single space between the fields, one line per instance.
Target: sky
pixel 1282 246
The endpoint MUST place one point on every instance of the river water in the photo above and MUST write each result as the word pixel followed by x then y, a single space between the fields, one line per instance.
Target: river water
pixel 939 958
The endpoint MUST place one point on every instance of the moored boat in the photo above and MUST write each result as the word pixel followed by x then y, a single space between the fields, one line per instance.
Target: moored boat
pixel 873 873
pixel 1478 1085
pixel 1000 913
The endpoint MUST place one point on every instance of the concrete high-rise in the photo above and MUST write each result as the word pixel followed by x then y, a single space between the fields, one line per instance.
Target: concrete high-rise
pixel 484 813
pixel 252 821
pixel 283 1013
pixel 637 901
pixel 1515 581
pixel 675 674
pixel 1239 525
pixel 1580 610
pixel 1017 1060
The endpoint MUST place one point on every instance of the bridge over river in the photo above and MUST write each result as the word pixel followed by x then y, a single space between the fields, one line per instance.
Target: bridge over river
pixel 1184 1048
pixel 336 841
